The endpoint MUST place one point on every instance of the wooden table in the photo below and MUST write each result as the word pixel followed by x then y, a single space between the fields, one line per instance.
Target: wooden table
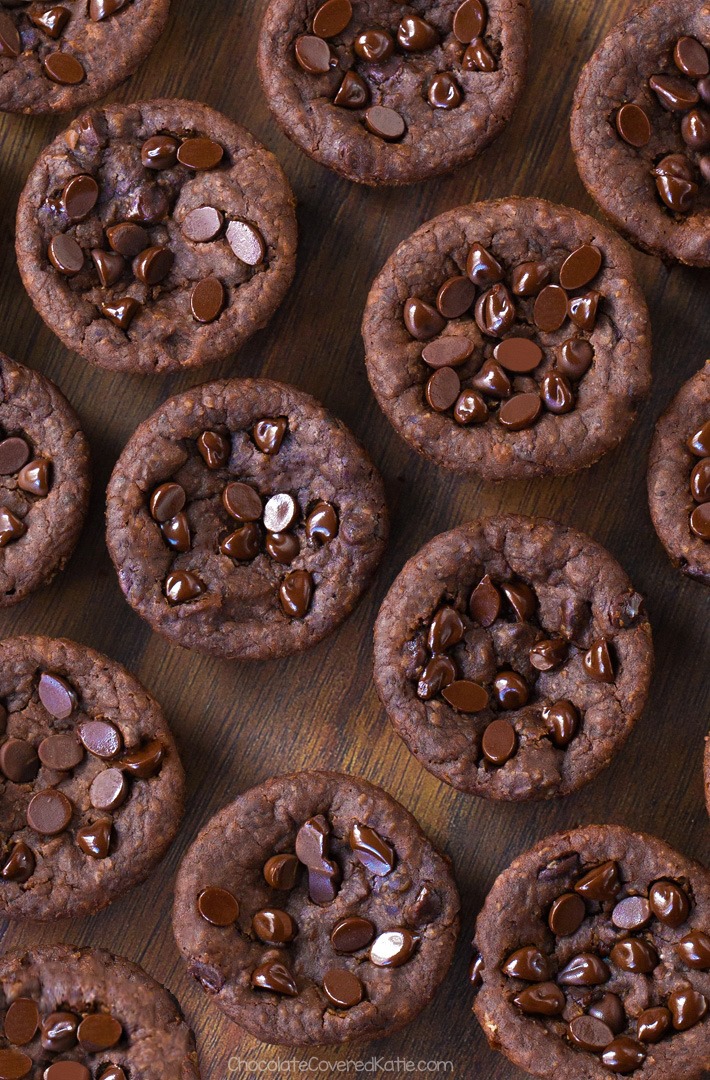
pixel 238 724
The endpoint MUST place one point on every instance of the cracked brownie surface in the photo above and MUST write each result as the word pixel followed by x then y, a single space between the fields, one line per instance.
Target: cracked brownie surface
pixel 513 656
pixel 92 787
pixel 55 58
pixel 393 93
pixel 244 520
pixel 679 477
pixel 593 958
pixel 44 480
pixel 314 910
pixel 641 129
pixel 155 237
pixel 509 339
pixel 84 1014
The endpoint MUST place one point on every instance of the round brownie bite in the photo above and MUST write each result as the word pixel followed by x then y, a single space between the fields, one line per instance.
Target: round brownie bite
pixel 44 481
pixel 641 129
pixel 156 236
pixel 679 477
pixel 55 58
pixel 77 1014
pixel 513 656
pixel 314 910
pixel 385 93
pixel 244 520
pixel 593 959
pixel 509 339
pixel 92 787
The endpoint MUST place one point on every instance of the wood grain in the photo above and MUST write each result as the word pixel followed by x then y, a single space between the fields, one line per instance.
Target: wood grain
pixel 238 724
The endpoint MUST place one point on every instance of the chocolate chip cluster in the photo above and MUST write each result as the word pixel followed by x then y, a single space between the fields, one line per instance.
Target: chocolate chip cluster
pixel 54 759
pixel 264 523
pixel 592 996
pixel 678 176
pixel 94 1032
pixel 135 251
pixel 435 667
pixel 32 475
pixel 699 446
pixel 374 52
pixel 349 936
pixel 513 381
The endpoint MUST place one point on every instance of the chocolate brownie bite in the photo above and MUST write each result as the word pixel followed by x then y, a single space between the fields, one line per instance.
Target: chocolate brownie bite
pixel 679 477
pixel 55 58
pixel 92 786
pixel 155 237
pixel 244 520
pixel 314 910
pixel 641 129
pixel 44 481
pixel 390 94
pixel 593 959
pixel 509 339
pixel 513 656
pixel 84 1014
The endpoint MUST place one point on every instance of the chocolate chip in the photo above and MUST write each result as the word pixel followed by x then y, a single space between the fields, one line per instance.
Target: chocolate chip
pixel 144 762
pixel 528 278
pixel 475 971
pixel 343 988
pixel 518 354
pixel 243 544
pixel 601 883
pixel 242 501
pixel 14 1065
pixel 444 93
pixel 695 129
pixel 700 521
pixel 676 192
pixel 19 762
pixel 483 269
pixel 115 1072
pixel 108 790
pixel 393 948
pixel 580 267
pixel 590 1033
pixel 280 512
pixel 545 999
pixel 21 1021
pixel 282 547
pixel 153 265
pixel 527 963
pixel 635 955
pixel 63 68
pixel 550 309
pixel 312 845
pixel 575 357
pixel 699 481
pixel 14 452
pixel 159 152
pixel 214 449
pixel 101 738
pixel 484 603
pixel 688 1007
pixel 470 408
pixel 632 913
pixel 275 976
pixel 469 21
pixel 585 969
pixel 166 501
pixel 10 41
pixel 583 310
pixel 122 312
pixel 691 57
pixel 562 719
pixel 699 442
pixel 454 299
pixel 499 742
pixel 520 411
pixel 511 690
pixel 669 903
pixel 269 434
pixel 79 197
pixel 200 153
pixel 11 528
pixel 218 906
pixel 176 533
pixel 492 381
pixel 34 477
pixel 694 950
pixel 127 238
pixel 438 673
pixel 353 93
pixel 415 34
pixel 443 389
pixel 57 695
pixel 61 752
pixel 374 45
pixel 65 255
pixel 207 300
pixel 313 54
pixel 478 57
pixel 59 1032
pixel 446 629
pixel 273 926
pixel 182 586
pixel 19 865
pixel 521 598
pixel 466 696
pixel 332 18
pixel 548 654
pixel 674 93
pixel 556 393
pixel 98 1032
pixel 447 352
pixel 623 1055
pixel 95 839
pixel 49 812
pixel 322 524
pixel 610 1010
pixel 385 122
pixel 598 663
pixel 351 934
pixel 203 224
pixel 296 593
pixel 246 242
pixel 375 854
pixel 566 914
pixel 109 266
pixel 101 9
pixel 652 1024
pixel 495 311
pixel 280 871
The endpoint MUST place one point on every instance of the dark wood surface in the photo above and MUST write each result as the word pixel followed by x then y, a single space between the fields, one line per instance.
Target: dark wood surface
pixel 238 724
